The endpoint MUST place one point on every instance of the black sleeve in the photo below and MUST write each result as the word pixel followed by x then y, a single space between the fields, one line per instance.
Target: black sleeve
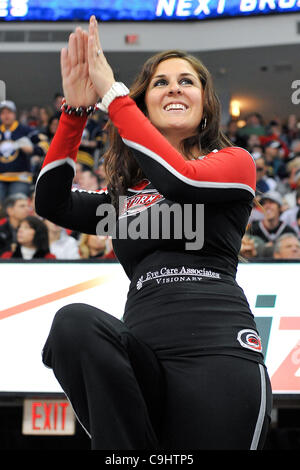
pixel 72 209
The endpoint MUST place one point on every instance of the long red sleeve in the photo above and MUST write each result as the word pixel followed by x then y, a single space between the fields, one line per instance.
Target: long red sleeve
pixel 65 143
pixel 224 175
pixel 55 200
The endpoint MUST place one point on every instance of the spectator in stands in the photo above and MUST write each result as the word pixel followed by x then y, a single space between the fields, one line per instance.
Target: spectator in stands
pixel 271 227
pixel 251 246
pixel 291 130
pixel 96 247
pixel 88 181
pixel 234 136
pixel 264 183
pixel 57 102
pixel 15 151
pixel 32 241
pixel 275 134
pixel 290 215
pixel 16 209
pixel 33 119
pixel 286 183
pixel 46 135
pixel 52 127
pixel 294 183
pixel 252 142
pixel 287 246
pixel 61 244
pixel 274 157
pixel 44 117
pixel 109 250
pixel 295 148
pixel 91 144
pixel 31 202
pixel 257 151
pixel 23 117
pixel 256 212
pixel 254 126
pixel 42 142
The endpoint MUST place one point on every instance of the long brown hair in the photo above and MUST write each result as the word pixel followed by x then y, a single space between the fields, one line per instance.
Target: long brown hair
pixel 121 168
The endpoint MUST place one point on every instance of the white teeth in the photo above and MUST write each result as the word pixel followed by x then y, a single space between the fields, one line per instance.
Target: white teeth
pixel 175 106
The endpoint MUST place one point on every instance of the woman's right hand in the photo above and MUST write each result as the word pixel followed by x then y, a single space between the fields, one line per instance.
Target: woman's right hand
pixel 100 71
pixel 77 86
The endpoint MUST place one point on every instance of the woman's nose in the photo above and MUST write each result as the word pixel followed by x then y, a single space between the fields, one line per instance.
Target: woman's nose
pixel 174 89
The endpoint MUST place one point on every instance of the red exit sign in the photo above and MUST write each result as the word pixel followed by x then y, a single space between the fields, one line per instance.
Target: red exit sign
pixel 132 38
pixel 48 417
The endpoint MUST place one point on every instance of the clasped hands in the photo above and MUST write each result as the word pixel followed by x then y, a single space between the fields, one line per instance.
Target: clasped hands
pixel 86 74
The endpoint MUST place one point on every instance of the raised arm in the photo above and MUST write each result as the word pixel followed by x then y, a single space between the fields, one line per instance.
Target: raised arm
pixel 54 199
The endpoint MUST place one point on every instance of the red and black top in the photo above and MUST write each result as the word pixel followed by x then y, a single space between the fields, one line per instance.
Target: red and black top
pixel 174 287
pixel 224 181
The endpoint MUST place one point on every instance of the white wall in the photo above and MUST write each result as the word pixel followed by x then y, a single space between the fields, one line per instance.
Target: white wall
pixel 254 59
pixel 193 36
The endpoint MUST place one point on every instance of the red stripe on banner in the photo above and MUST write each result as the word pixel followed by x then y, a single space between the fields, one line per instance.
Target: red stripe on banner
pixel 289 323
pixel 45 299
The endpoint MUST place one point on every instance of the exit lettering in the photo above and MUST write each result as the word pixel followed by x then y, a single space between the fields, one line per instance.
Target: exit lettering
pixel 49 415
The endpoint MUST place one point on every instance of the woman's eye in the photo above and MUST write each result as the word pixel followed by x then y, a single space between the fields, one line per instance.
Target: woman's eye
pixel 182 81
pixel 186 81
pixel 160 82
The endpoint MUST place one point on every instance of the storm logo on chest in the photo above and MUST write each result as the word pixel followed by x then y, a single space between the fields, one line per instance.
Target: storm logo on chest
pixel 139 202
pixel 162 220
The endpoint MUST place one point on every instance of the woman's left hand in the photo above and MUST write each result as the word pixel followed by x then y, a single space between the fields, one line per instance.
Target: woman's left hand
pixel 100 71
pixel 77 85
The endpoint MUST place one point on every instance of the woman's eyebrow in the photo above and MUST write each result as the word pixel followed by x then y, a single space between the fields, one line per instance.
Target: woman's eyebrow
pixel 181 75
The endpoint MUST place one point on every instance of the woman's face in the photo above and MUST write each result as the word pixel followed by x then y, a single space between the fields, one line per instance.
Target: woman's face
pixel 174 98
pixel 25 234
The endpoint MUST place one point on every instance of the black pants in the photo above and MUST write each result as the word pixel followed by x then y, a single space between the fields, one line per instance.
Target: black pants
pixel 126 397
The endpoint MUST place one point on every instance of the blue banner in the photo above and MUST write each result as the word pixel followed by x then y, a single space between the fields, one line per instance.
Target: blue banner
pixel 139 10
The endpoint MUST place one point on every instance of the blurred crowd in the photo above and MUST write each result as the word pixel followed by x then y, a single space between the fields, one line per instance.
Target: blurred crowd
pixel 273 230
pixel 25 137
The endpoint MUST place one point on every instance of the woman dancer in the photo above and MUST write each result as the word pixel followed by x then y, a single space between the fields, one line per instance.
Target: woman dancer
pixel 184 367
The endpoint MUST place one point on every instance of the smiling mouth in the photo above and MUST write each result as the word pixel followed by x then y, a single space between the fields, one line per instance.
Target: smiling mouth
pixel 177 107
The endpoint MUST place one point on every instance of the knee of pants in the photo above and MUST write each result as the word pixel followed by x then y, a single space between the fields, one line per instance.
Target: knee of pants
pixel 71 328
pixel 81 327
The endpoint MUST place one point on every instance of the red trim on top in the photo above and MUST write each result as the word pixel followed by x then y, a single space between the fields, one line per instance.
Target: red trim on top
pixel 141 185
pixel 67 138
pixel 230 165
